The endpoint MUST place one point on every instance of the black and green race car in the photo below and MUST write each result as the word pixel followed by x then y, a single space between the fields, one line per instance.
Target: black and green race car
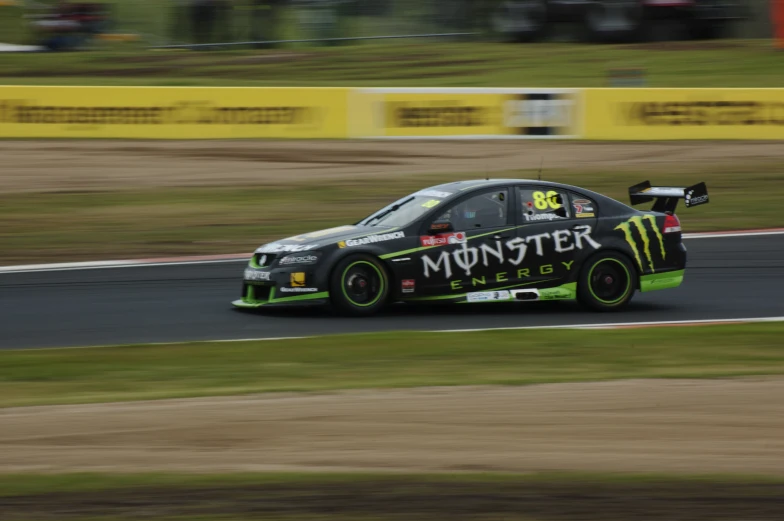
pixel 482 241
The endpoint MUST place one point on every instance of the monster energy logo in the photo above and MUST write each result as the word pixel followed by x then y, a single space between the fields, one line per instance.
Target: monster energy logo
pixel 639 223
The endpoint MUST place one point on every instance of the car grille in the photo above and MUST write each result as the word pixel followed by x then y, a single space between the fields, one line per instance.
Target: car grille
pixel 254 293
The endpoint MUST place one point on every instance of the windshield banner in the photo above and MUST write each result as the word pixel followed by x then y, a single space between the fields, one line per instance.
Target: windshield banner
pixel 464 113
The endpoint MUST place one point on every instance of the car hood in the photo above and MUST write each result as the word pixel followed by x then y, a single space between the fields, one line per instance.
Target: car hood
pixel 313 240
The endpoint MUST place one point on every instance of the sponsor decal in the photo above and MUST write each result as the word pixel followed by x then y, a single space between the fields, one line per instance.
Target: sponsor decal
pixel 704 113
pixel 488 296
pixel 512 252
pixel 442 239
pixel 297 280
pixel 285 248
pixel 257 275
pixel 559 293
pixel 177 113
pixel 371 239
pixel 581 201
pixel 431 203
pixel 542 217
pixel 639 223
pixel 297 259
pixel 589 214
pixel 539 113
pixel 692 200
pixel 446 113
pixel 434 193
pixel 439 226
pixel 407 285
pixel 298 290
pixel 582 208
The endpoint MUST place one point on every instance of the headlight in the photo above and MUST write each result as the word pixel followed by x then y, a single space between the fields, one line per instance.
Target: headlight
pixel 298 259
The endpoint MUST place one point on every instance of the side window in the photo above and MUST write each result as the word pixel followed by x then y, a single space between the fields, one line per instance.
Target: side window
pixel 582 207
pixel 486 210
pixel 543 204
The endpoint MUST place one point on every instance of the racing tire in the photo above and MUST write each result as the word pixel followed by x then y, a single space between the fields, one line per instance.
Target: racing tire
pixel 607 282
pixel 359 285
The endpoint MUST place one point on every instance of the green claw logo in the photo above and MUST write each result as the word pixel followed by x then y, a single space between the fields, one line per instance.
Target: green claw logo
pixel 639 223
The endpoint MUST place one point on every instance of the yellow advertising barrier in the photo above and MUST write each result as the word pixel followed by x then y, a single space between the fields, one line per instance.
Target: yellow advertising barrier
pixel 670 114
pixel 463 113
pixel 172 112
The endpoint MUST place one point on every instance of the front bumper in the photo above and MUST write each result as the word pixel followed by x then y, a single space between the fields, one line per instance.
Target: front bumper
pixel 288 286
pixel 256 296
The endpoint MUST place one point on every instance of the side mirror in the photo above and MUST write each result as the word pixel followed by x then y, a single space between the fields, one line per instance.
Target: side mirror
pixel 440 227
pixel 561 212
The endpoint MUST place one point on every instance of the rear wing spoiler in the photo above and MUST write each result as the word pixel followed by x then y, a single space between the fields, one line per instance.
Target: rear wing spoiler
pixel 666 197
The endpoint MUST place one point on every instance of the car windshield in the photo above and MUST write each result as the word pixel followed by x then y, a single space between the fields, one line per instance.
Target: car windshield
pixel 406 210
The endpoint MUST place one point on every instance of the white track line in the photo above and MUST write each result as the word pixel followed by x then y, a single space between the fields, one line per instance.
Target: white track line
pixel 617 325
pixel 719 235
pixel 243 257
pixel 100 265
pixel 621 325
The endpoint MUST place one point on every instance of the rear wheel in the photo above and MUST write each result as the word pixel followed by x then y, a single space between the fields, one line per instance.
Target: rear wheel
pixel 359 285
pixel 607 282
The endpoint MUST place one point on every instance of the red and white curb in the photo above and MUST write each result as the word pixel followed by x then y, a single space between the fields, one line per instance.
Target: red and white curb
pixel 237 257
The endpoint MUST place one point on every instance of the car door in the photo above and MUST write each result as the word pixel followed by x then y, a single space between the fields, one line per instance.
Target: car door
pixel 463 245
pixel 554 236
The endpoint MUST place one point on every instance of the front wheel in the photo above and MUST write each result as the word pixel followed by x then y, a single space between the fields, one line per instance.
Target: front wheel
pixel 359 285
pixel 607 282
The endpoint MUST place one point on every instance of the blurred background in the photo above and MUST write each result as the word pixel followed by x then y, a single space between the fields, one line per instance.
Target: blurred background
pixel 59 24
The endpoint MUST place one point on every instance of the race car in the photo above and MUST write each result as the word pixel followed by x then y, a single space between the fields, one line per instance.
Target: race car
pixel 502 240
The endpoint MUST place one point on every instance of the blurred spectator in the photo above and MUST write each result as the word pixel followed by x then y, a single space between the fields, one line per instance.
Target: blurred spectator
pixel 211 21
pixel 265 21
pixel 70 25
pixel 202 15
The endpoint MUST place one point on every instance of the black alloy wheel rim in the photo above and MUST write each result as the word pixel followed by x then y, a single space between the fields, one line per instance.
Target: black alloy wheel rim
pixel 362 283
pixel 609 281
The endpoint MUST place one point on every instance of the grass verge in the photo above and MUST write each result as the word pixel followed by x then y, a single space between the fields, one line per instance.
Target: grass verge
pixel 386 360
pixel 533 497
pixel 726 63
pixel 182 221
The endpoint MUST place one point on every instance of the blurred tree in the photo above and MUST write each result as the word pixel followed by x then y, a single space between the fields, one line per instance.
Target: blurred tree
pixel 265 19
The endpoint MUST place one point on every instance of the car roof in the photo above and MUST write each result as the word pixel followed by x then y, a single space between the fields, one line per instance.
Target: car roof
pixel 462 186
pixel 457 188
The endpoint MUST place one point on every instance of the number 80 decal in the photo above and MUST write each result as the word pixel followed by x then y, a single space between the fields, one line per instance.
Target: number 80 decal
pixel 542 201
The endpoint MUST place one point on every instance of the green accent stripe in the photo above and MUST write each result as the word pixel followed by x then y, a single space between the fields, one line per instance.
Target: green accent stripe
pixel 562 292
pixel 665 280
pixel 250 302
pixel 421 248
pixel 463 295
pixel 309 296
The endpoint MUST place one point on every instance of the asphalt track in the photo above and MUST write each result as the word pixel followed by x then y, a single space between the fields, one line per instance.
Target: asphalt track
pixel 726 278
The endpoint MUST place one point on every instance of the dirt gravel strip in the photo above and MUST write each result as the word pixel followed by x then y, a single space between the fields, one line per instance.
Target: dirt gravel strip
pixel 80 165
pixel 671 426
